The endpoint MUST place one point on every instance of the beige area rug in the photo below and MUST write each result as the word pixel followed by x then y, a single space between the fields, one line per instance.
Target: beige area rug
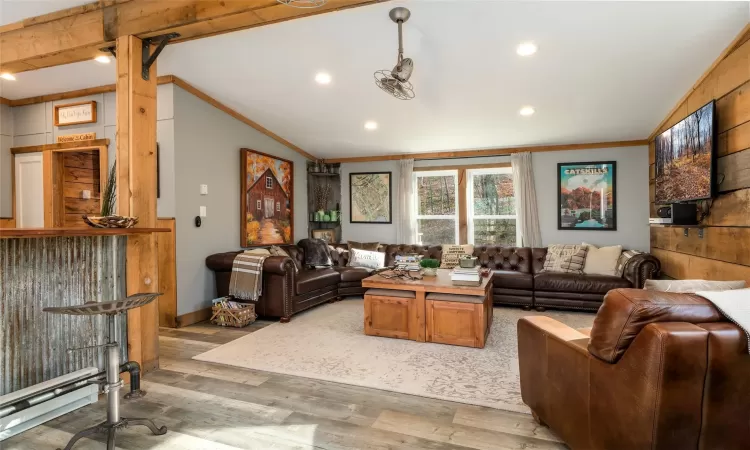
pixel 328 343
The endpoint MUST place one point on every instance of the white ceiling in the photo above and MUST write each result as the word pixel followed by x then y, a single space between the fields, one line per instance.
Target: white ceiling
pixel 605 71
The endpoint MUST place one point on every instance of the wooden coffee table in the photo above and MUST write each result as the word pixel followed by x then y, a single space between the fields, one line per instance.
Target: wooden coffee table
pixel 423 320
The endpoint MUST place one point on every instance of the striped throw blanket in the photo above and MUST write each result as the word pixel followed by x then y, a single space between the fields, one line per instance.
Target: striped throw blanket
pixel 246 281
pixel 734 304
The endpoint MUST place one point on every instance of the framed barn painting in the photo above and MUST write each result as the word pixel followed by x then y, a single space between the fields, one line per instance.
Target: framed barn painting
pixel 588 196
pixel 266 199
pixel 370 198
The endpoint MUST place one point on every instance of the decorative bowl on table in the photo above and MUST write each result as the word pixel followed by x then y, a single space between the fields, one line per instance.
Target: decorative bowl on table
pixel 467 262
pixel 429 267
pixel 110 221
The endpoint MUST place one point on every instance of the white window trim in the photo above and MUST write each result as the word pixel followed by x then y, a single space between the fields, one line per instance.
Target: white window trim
pixel 258 204
pixel 470 217
pixel 269 181
pixel 453 217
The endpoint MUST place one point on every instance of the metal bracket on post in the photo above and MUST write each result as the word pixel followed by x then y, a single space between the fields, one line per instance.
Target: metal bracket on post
pixel 148 57
pixel 111 50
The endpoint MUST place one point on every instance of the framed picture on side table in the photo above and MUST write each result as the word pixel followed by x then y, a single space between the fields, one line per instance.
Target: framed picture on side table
pixel 328 235
pixel 587 193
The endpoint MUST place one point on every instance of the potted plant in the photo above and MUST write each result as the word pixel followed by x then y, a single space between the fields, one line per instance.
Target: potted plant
pixel 107 218
pixel 429 267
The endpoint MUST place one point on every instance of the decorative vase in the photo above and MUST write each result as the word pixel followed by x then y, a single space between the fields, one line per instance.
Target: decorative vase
pixel 326 218
pixel 334 216
pixel 429 271
pixel 319 215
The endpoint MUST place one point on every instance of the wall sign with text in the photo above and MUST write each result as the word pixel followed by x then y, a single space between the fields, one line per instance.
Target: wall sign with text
pixel 75 113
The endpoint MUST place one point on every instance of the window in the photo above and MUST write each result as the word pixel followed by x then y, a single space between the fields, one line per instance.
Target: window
pixel 491 206
pixel 437 207
pixel 257 203
pixel 278 206
pixel 487 211
pixel 269 182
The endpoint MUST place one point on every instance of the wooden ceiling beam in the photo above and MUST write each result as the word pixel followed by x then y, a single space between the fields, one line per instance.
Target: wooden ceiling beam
pixel 79 33
pixel 489 152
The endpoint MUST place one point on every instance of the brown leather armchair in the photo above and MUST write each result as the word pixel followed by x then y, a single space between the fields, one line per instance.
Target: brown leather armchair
pixel 658 371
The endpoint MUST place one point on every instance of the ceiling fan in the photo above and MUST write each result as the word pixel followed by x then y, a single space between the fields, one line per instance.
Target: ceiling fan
pixel 396 82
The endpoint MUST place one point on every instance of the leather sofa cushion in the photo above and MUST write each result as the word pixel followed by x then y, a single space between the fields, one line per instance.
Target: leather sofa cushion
pixel 585 296
pixel 517 259
pixel 314 279
pixel 625 312
pixel 571 282
pixel 509 279
pixel 538 255
pixel 351 274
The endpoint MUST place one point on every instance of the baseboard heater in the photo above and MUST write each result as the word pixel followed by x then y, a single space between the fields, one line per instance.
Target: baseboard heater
pixel 34 405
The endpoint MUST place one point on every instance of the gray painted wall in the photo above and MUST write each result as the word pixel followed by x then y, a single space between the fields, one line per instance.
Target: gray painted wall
pixel 209 143
pixel 33 125
pixel 632 196
pixel 6 142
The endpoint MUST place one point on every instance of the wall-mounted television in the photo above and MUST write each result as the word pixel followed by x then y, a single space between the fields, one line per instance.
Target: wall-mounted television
pixel 685 163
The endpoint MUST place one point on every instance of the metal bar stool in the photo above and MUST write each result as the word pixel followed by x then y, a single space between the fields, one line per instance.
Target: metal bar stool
pixel 113 381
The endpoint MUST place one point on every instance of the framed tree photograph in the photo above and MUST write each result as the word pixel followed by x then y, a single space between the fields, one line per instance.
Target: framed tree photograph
pixel 587 195
pixel 267 192
pixel 370 197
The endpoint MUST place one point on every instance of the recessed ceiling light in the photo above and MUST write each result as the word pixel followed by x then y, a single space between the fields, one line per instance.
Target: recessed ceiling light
pixel 526 48
pixel 370 125
pixel 526 111
pixel 104 59
pixel 323 78
pixel 7 76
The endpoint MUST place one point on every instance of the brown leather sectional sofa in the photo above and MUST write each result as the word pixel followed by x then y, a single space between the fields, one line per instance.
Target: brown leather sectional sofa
pixel 290 288
pixel 658 371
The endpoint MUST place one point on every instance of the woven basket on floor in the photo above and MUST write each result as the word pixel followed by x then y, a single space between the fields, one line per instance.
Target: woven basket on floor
pixel 229 317
pixel 110 221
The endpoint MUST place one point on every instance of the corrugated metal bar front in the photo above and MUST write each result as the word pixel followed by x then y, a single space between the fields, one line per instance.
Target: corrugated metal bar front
pixel 60 271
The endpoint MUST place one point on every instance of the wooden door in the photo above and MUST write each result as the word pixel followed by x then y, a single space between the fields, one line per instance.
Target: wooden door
pixel 29 175
pixel 269 207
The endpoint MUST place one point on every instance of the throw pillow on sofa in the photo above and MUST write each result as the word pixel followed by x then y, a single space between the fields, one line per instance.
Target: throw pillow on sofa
pixel 275 250
pixel 451 253
pixel 601 260
pixel 692 286
pixel 366 259
pixel 623 261
pixel 371 246
pixel 316 253
pixel 565 258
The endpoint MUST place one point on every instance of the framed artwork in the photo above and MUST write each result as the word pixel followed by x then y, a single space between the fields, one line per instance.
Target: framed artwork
pixel 328 235
pixel 587 195
pixel 266 199
pixel 370 197
pixel 74 113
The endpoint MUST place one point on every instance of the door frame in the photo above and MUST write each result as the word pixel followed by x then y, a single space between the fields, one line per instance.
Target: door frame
pixel 51 166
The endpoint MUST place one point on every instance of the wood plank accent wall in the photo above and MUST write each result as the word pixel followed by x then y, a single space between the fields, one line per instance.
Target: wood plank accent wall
pixel 80 172
pixel 723 252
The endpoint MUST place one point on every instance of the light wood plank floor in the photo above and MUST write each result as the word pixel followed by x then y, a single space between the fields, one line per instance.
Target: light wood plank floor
pixel 210 406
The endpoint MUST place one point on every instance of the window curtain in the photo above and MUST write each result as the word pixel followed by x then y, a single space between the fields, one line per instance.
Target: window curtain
pixel 527 221
pixel 405 231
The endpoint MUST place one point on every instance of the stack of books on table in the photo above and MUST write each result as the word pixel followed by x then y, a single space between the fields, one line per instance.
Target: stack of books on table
pixel 466 277
pixel 407 262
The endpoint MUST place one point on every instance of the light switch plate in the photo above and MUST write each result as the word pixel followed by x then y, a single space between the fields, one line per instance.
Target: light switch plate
pixel 204 189
pixel 86 194
pixel 202 211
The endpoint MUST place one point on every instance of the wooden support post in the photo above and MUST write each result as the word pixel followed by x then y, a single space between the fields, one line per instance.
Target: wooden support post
pixel 136 193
